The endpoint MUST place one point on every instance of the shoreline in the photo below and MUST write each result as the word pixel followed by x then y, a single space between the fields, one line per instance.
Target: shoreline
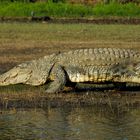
pixel 47 19
pixel 38 99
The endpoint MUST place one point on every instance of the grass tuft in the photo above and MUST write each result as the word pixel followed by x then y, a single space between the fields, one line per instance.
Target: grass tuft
pixel 68 10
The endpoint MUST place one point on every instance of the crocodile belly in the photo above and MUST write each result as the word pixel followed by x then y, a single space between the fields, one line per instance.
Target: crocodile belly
pixel 90 74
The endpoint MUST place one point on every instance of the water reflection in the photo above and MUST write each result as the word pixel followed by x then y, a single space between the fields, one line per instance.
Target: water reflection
pixel 71 123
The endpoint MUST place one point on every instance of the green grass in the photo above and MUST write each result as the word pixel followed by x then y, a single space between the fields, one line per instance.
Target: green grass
pixel 34 32
pixel 17 9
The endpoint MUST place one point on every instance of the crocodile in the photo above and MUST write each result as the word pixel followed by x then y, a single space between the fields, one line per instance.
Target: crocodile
pixel 96 66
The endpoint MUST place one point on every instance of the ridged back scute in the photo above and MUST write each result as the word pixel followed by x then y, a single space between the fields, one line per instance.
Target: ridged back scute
pixel 98 56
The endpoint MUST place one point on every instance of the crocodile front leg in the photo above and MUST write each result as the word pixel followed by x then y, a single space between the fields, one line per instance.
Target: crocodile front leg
pixel 59 79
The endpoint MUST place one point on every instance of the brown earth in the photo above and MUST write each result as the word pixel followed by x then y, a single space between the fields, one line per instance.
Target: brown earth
pixel 34 98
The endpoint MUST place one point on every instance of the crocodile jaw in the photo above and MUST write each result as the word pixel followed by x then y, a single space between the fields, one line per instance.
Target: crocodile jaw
pixel 15 76
pixel 136 79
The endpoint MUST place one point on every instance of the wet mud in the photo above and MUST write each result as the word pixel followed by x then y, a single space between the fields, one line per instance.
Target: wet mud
pixel 17 96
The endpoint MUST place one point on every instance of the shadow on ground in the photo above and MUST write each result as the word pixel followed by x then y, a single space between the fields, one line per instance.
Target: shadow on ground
pixel 18 96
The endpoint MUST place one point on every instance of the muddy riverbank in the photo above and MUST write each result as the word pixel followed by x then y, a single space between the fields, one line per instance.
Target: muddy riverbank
pixel 27 98
pixel 21 42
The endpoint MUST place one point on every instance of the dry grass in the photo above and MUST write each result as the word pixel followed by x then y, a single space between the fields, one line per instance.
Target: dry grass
pixel 22 41
pixel 35 97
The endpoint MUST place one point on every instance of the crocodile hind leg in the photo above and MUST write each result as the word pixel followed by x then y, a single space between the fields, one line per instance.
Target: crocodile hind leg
pixel 59 79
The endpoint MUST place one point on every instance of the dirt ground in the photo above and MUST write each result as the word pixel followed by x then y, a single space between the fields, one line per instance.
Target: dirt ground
pixel 21 42
pixel 25 41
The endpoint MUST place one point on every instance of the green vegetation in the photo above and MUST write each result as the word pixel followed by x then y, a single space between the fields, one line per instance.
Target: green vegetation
pixel 17 9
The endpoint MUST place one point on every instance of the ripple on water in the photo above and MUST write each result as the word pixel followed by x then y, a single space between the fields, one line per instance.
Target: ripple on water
pixel 79 123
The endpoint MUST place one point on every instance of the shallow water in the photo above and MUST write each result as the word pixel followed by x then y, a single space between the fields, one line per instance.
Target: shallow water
pixel 71 123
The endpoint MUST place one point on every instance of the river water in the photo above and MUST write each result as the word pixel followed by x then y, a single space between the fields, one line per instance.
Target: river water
pixel 71 123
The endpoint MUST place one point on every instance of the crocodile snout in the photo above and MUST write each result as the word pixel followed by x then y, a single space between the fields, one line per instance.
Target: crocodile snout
pixel 15 76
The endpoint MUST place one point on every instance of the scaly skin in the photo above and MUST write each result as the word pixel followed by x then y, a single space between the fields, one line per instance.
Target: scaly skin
pixel 99 65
